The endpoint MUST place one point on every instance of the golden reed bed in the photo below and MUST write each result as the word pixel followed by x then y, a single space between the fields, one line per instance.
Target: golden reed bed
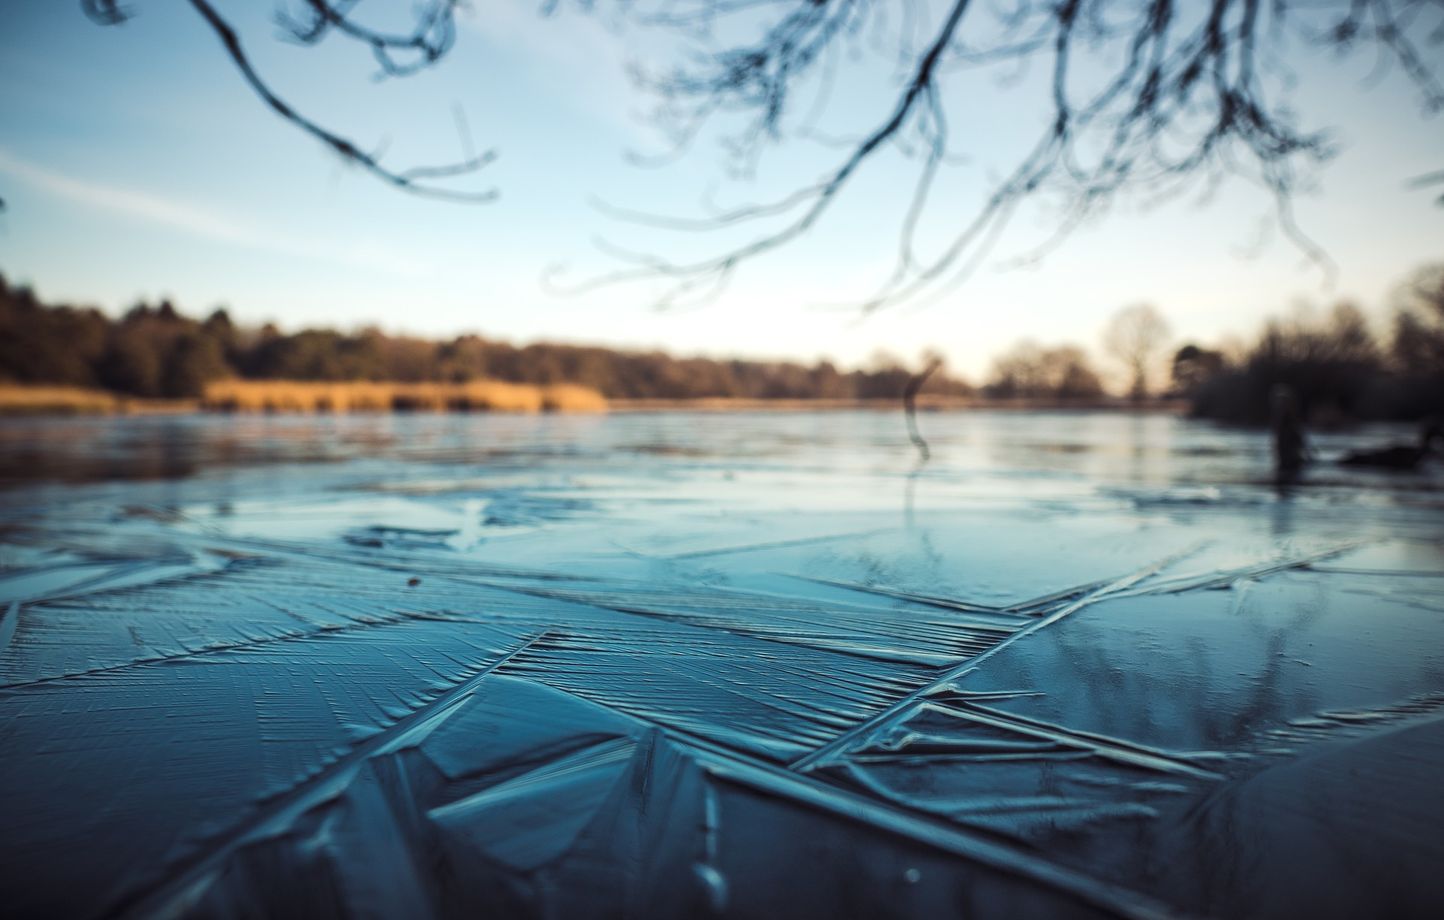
pixel 361 396
pixel 16 399
pixel 301 396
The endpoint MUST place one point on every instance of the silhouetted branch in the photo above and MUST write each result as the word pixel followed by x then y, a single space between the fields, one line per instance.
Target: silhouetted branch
pixel 1147 96
pixel 105 12
pixel 428 42
pixel 431 39
pixel 1428 179
pixel 910 407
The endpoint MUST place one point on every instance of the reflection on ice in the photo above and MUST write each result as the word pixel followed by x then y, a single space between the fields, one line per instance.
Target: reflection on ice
pixel 734 665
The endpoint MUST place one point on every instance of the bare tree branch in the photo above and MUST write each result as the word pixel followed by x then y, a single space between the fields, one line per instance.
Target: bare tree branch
pixel 427 43
pixel 431 39
pixel 1174 94
pixel 1142 97
pixel 910 406
pixel 1428 179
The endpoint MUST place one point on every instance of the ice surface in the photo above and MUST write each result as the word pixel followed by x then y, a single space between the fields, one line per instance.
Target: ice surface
pixel 719 665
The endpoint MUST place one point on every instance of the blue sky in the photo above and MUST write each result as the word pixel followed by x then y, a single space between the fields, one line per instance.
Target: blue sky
pixel 136 164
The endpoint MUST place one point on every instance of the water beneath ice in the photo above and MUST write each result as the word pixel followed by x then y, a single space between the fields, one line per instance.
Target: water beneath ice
pixel 713 665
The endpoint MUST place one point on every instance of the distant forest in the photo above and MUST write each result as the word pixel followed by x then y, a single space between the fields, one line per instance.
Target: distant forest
pixel 1337 364
pixel 1340 365
pixel 154 351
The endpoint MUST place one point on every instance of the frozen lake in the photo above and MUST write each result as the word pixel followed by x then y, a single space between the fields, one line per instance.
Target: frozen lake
pixel 738 664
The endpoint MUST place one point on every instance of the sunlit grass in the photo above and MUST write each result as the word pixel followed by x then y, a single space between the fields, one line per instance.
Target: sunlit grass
pixel 365 396
pixel 17 398
pixel 303 396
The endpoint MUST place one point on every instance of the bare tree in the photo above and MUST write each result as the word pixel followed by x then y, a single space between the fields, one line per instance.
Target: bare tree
pixel 1153 97
pixel 1135 337
pixel 1193 366
pixel 1031 371
pixel 1418 339
pixel 932 363
pixel 397 55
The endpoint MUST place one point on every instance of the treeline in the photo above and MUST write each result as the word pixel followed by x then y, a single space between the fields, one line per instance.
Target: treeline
pixel 154 351
pixel 1338 368
pixel 1033 372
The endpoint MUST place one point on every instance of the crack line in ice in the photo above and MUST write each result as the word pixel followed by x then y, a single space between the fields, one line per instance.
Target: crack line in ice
pixel 789 621
pixel 730 765
pixel 550 771
pixel 164 570
pixel 178 878
pixel 1386 573
pixel 8 621
pixel 1115 749
pixel 776 544
pixel 827 752
pixel 1333 723
pixel 377 620
pixel 1254 572
pixel 968 809
pixel 462 569
pixel 921 828
pixel 1023 608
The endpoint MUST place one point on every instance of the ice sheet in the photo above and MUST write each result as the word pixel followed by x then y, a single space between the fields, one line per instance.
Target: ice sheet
pixel 674 665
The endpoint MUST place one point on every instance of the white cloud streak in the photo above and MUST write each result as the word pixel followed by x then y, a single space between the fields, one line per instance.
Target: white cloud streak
pixel 154 209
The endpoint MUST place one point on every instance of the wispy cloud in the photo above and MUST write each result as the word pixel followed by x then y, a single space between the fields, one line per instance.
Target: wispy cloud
pixel 177 215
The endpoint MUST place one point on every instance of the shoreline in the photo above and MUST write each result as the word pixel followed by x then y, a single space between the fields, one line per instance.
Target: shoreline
pixel 18 402
pixel 924 404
